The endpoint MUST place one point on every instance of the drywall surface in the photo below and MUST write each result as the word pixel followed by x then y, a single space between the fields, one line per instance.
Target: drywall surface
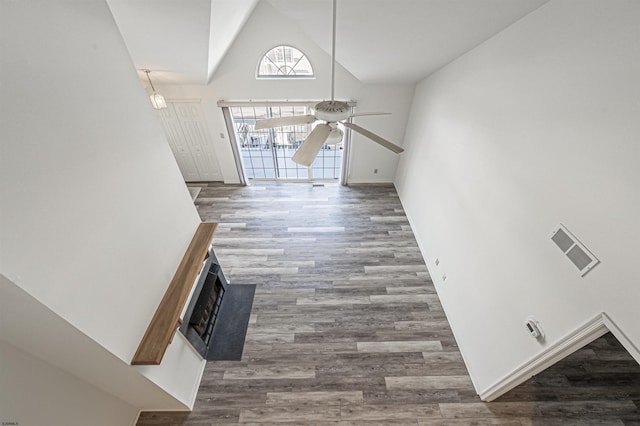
pixel 181 371
pixel 69 401
pixel 535 127
pixel 95 215
pixel 227 18
pixel 235 79
pixel 371 162
pixel 32 327
pixel 170 29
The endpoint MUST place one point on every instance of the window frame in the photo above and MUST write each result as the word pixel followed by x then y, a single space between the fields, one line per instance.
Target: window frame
pixel 284 76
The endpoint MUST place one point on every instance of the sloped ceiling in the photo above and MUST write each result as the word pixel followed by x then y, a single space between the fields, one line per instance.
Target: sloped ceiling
pixel 403 41
pixel 180 41
pixel 378 41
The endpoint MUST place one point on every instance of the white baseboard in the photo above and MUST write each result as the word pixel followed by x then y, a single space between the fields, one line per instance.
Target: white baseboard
pixel 136 418
pixel 368 181
pixel 580 337
pixel 622 338
pixel 435 279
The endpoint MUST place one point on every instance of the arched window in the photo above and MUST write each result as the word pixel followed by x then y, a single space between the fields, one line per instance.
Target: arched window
pixel 284 62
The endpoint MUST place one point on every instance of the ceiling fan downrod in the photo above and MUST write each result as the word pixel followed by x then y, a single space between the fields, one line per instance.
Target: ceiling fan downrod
pixel 333 52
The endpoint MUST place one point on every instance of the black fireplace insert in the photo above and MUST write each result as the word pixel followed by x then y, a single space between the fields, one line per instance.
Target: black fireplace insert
pixel 204 307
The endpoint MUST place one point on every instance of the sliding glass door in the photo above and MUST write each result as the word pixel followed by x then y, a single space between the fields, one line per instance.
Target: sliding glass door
pixel 266 153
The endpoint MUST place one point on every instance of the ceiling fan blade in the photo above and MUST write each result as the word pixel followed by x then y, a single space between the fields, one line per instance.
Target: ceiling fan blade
pixel 382 141
pixel 284 121
pixel 360 114
pixel 311 145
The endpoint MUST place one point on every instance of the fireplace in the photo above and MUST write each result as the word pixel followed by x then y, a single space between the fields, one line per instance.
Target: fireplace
pixel 204 307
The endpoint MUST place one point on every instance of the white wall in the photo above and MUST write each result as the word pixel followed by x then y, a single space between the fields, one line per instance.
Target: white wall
pixel 535 127
pixel 95 215
pixel 368 156
pixel 34 328
pixel 35 393
pixel 235 79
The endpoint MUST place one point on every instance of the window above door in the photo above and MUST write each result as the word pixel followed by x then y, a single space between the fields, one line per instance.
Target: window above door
pixel 284 62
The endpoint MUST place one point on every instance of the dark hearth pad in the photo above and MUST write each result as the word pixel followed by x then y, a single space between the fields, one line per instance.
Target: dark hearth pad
pixel 230 329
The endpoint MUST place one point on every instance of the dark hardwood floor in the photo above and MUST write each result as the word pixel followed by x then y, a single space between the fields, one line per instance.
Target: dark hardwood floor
pixel 346 326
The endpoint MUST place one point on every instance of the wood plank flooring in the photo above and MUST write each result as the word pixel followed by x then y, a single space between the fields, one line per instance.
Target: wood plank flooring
pixel 347 329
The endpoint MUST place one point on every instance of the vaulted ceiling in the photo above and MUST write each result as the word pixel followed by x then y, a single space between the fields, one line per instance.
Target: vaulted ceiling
pixel 378 41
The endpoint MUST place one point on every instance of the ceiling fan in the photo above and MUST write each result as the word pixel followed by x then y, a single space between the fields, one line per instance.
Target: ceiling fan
pixel 331 112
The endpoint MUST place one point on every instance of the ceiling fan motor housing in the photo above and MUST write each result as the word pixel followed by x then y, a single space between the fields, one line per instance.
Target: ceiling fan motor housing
pixel 332 111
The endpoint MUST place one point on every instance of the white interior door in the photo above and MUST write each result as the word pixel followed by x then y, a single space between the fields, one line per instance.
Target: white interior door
pixel 190 141
pixel 180 149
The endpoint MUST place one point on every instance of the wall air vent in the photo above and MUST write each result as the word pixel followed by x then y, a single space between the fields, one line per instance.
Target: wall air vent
pixel 577 253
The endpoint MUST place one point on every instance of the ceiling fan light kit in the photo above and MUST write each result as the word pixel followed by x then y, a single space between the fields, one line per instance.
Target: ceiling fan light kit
pixel 332 112
pixel 335 136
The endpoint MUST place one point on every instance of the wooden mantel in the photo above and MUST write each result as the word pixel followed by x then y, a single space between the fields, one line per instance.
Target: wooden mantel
pixel 166 320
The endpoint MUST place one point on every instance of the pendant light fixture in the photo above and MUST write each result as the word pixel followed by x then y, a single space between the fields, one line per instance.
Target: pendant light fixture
pixel 157 100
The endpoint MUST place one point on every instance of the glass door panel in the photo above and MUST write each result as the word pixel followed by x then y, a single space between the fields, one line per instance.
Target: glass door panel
pixel 267 153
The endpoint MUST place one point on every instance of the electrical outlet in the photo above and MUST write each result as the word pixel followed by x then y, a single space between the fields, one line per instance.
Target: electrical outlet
pixel 375 171
pixel 221 135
